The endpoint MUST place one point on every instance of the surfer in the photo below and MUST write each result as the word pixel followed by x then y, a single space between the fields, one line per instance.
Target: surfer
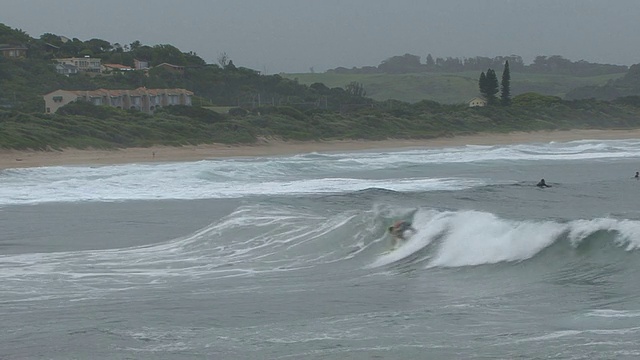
pixel 542 184
pixel 398 229
pixel 637 176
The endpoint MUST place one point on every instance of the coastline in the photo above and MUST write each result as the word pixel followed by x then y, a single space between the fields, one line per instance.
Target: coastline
pixel 22 159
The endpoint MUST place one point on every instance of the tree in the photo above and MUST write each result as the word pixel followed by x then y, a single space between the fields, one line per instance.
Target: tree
pixel 406 63
pixel 482 84
pixel 489 86
pixel 356 89
pixel 135 45
pixel 505 93
pixel 98 46
pixel 320 88
pixel 51 39
pixel 167 54
pixel 13 36
pixel 230 66
pixel 492 86
pixel 431 64
pixel 72 48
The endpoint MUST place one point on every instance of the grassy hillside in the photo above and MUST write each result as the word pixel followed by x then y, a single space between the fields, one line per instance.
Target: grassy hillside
pixel 83 125
pixel 448 88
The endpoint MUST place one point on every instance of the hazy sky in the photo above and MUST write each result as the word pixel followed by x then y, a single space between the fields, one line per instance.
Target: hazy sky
pixel 295 35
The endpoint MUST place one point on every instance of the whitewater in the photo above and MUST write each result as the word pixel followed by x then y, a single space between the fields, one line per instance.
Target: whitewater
pixel 287 257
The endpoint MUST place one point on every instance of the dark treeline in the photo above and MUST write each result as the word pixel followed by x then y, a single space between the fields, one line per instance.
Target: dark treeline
pixel 555 64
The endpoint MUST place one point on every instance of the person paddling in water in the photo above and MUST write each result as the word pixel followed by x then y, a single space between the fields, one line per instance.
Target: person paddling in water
pixel 542 184
pixel 397 231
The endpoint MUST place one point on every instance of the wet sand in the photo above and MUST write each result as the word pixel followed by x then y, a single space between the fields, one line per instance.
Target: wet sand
pixel 19 159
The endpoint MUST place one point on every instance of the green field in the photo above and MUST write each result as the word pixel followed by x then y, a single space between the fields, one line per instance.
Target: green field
pixel 448 88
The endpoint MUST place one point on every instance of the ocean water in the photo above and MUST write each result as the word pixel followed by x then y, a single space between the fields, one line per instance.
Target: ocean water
pixel 288 257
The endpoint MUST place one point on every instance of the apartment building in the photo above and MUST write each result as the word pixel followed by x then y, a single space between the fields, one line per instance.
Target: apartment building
pixel 141 99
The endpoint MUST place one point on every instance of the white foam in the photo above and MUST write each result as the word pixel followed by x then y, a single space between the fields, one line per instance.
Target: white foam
pixel 476 238
pixel 299 174
pixel 609 313
pixel 130 187
pixel 470 238
pixel 628 230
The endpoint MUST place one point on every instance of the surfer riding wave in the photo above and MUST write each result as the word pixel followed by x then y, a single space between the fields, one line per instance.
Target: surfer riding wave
pixel 397 231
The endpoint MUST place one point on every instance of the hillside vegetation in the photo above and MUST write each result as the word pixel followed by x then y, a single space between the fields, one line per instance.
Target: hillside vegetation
pixel 452 87
pixel 82 125
pixel 455 80
pixel 237 105
pixel 24 81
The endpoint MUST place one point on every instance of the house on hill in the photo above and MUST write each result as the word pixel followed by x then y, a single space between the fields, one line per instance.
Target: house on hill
pixel 176 69
pixel 141 99
pixel 84 64
pixel 115 68
pixel 66 69
pixel 477 102
pixel 13 51
pixel 140 64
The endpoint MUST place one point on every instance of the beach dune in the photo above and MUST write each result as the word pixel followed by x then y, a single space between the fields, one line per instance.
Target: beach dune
pixel 20 159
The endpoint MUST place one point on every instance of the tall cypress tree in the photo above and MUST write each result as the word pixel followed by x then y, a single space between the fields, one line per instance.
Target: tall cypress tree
pixel 488 85
pixel 491 87
pixel 505 94
pixel 482 84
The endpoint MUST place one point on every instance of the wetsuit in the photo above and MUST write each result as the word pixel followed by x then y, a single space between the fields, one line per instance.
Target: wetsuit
pixel 542 184
pixel 398 229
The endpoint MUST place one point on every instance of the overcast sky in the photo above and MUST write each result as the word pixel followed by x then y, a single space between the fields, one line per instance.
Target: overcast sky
pixel 295 35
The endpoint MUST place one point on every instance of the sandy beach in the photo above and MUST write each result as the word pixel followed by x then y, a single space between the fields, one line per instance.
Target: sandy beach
pixel 20 159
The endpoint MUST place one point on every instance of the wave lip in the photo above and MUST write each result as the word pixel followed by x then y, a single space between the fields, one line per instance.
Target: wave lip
pixel 471 238
pixel 477 238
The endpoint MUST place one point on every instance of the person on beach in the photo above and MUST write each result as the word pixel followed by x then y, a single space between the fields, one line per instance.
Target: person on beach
pixel 397 231
pixel 542 184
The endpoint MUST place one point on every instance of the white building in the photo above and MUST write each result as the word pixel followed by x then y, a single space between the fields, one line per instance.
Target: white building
pixel 477 102
pixel 66 69
pixel 84 64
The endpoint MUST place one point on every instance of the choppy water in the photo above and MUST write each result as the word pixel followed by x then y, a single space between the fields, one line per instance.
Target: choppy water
pixel 286 257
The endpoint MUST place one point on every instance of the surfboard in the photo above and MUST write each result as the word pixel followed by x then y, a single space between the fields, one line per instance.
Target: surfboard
pixel 397 246
pixel 389 251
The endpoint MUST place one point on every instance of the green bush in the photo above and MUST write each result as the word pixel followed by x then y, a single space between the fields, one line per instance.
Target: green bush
pixel 628 100
pixel 236 111
pixel 534 99
pixel 192 112
pixel 86 108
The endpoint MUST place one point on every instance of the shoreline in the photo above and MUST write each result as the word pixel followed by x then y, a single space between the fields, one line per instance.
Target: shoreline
pixel 23 159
